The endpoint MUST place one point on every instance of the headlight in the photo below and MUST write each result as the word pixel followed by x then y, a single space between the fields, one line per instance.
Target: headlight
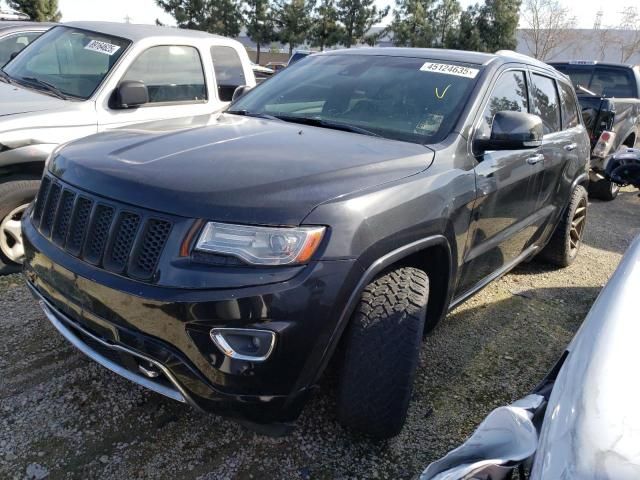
pixel 261 245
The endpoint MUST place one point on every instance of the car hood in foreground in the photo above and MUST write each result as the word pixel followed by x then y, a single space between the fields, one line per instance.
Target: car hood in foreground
pixel 233 168
pixel 591 428
pixel 15 99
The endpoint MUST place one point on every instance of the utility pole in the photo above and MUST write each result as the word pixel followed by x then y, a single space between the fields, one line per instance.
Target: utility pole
pixel 598 22
pixel 127 18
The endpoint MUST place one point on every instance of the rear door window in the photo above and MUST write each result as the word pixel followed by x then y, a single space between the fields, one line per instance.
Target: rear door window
pixel 546 102
pixel 172 73
pixel 228 69
pixel 570 110
pixel 509 94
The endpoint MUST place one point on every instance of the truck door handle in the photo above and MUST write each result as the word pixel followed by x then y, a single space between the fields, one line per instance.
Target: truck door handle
pixel 535 159
pixel 571 147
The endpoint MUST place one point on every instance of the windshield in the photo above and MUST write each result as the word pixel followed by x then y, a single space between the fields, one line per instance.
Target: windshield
pixel 601 80
pixel 399 98
pixel 67 62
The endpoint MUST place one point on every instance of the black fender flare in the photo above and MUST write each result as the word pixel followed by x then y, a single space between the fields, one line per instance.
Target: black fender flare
pixel 369 274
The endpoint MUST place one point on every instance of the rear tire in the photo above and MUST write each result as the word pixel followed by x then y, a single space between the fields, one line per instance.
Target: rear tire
pixel 15 196
pixel 566 240
pixel 604 190
pixel 381 353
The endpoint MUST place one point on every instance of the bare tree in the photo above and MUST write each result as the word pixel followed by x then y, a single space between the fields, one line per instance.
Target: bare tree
pixel 605 37
pixel 630 37
pixel 548 28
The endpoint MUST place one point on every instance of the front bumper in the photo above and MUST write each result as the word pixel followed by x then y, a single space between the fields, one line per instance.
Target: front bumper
pixel 159 337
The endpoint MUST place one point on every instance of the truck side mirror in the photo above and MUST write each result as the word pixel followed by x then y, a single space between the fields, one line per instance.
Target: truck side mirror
pixel 512 131
pixel 131 94
pixel 240 91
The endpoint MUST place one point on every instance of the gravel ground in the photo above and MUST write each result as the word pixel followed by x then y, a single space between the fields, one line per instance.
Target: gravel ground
pixel 63 416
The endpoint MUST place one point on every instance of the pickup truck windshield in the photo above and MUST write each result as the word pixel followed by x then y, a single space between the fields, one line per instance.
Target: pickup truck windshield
pixel 66 62
pixel 400 98
pixel 601 79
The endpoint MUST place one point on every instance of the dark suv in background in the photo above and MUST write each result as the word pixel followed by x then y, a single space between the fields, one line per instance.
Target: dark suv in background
pixel 609 94
pixel 337 212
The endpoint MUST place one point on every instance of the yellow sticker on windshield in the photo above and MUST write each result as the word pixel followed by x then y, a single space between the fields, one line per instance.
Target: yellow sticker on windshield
pixel 448 69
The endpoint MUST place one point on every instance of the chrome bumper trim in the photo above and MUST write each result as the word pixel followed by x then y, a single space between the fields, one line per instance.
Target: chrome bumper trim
pixel 64 325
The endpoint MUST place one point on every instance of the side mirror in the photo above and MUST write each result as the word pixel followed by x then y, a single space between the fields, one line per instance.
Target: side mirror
pixel 512 131
pixel 240 91
pixel 131 94
pixel 13 55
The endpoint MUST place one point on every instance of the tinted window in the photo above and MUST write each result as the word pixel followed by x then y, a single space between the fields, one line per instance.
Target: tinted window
pixel 601 80
pixel 229 72
pixel 546 102
pixel 569 107
pixel 171 73
pixel 395 97
pixel 509 93
pixel 612 82
pixel 74 61
pixel 14 44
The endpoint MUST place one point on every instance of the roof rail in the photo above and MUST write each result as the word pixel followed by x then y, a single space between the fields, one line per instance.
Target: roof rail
pixel 524 57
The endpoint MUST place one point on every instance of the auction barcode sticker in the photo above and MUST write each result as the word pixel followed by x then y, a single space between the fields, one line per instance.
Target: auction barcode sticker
pixel 102 47
pixel 448 69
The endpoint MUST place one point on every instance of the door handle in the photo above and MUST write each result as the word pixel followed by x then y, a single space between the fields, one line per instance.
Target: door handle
pixel 535 159
pixel 571 147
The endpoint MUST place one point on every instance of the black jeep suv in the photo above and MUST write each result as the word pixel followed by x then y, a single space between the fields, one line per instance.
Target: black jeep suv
pixel 338 211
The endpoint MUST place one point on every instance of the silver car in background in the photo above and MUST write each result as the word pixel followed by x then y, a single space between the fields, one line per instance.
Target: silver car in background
pixel 81 78
pixel 588 404
pixel 15 36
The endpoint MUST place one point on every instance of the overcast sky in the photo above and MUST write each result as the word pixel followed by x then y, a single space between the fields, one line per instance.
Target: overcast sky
pixel 146 11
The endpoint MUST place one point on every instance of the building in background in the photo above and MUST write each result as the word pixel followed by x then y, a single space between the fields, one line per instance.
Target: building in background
pixel 608 45
pixel 604 45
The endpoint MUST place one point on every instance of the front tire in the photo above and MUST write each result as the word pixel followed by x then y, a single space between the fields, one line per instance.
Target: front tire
pixel 566 240
pixel 15 197
pixel 381 353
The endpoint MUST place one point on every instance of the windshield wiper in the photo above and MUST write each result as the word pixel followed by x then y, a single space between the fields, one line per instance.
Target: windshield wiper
pixel 36 82
pixel 5 76
pixel 247 113
pixel 319 122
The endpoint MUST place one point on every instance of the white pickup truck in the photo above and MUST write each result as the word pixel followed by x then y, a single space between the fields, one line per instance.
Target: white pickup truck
pixel 81 78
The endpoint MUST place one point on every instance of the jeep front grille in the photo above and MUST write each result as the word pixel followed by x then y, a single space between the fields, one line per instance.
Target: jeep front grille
pixel 114 237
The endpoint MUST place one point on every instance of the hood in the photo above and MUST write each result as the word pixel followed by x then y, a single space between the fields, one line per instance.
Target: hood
pixel 235 169
pixel 15 99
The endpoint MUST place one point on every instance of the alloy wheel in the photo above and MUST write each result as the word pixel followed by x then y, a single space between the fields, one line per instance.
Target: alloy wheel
pixel 11 244
pixel 577 225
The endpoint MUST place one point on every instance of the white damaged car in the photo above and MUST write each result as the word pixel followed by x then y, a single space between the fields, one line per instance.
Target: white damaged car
pixel 583 421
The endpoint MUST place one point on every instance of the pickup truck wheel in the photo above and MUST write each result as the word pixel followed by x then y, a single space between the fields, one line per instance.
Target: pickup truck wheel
pixel 566 240
pixel 381 353
pixel 604 190
pixel 15 197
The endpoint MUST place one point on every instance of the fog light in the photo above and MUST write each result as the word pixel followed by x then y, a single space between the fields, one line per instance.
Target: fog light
pixel 244 343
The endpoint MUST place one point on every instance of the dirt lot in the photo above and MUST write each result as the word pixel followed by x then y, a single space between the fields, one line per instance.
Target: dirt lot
pixel 63 416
